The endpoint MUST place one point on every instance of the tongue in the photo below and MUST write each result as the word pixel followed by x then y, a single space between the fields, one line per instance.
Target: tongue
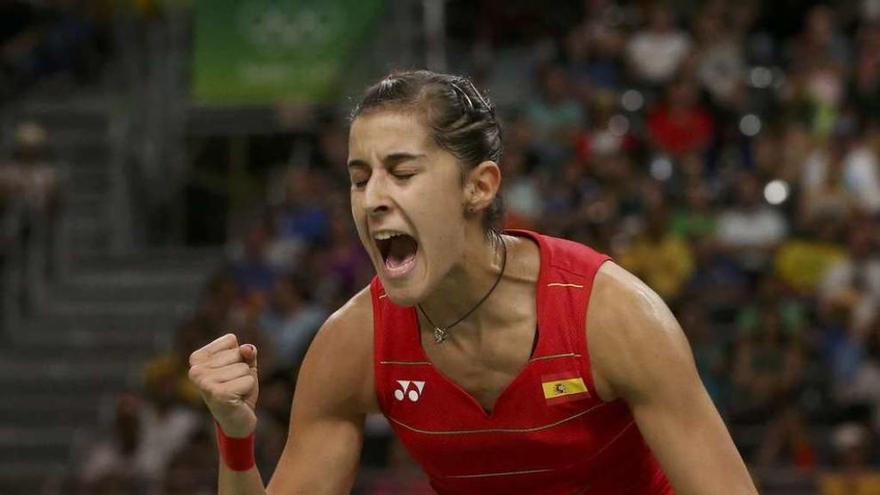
pixel 402 250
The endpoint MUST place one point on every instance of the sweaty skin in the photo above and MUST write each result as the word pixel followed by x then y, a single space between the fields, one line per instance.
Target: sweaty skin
pixel 402 181
pixel 640 354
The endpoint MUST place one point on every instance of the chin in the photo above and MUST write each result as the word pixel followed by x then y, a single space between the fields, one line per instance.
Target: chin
pixel 405 292
pixel 403 296
pixel 408 290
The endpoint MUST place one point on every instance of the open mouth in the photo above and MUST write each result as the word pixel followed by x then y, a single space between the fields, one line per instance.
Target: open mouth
pixel 398 251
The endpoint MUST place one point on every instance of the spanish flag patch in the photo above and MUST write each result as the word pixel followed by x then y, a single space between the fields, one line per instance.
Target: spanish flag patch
pixel 563 388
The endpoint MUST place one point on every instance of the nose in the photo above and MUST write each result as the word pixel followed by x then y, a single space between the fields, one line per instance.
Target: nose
pixel 375 195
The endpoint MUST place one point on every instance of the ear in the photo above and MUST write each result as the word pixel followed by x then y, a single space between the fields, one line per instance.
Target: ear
pixel 482 186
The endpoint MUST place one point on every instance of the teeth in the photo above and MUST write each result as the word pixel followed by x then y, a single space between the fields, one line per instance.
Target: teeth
pixel 386 234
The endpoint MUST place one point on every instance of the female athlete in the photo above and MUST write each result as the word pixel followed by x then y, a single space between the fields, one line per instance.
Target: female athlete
pixel 507 362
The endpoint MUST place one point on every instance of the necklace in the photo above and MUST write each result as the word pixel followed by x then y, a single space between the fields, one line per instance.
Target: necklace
pixel 442 333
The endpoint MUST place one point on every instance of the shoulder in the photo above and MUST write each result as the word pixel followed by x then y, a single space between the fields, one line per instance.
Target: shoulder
pixel 571 256
pixel 634 339
pixel 341 355
pixel 354 320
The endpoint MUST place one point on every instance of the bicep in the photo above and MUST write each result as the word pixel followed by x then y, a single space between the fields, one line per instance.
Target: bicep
pixel 642 353
pixel 684 430
pixel 326 426
pixel 321 455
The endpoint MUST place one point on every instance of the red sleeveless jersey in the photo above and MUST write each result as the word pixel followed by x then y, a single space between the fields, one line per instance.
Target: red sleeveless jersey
pixel 549 432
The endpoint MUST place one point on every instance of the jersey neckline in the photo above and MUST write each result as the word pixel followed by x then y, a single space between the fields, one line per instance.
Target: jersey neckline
pixel 540 294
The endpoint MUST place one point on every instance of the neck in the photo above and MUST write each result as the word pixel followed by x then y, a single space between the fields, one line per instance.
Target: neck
pixel 466 284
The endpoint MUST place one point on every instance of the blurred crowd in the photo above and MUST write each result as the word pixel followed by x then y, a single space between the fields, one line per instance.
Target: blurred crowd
pixel 724 152
pixel 55 42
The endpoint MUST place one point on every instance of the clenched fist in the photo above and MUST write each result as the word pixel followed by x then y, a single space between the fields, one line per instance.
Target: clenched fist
pixel 226 375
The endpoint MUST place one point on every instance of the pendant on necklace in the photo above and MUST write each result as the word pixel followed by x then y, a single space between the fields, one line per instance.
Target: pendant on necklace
pixel 440 335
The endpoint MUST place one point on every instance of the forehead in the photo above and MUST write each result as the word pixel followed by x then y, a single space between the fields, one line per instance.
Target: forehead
pixel 386 131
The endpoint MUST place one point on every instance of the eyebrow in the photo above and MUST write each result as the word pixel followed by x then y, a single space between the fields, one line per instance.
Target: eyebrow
pixel 391 159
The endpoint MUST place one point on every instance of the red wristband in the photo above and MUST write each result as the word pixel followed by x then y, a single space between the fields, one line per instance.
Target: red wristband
pixel 237 453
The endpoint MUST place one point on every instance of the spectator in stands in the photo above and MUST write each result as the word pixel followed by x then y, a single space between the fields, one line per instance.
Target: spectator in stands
pixel 554 115
pixel 290 321
pixel 825 86
pixel 863 390
pixel 146 435
pixel 827 197
pixel 303 216
pixel 609 131
pixel 663 260
pixel 172 367
pixel 253 274
pixel 216 299
pixel 796 146
pixel 119 459
pixel 853 447
pixel 709 350
pixel 680 125
pixel 34 207
pixel 862 172
pixel 38 181
pixel 331 151
pixel 787 442
pixel 803 260
pixel 772 297
pixel 864 86
pixel 821 38
pixel 841 177
pixel 767 369
pixel 276 393
pixel 166 423
pixel 594 50
pixel 657 51
pixel 750 230
pixel 695 219
pixel 522 190
pixel 852 285
pixel 345 267
pixel 193 470
pixel 720 64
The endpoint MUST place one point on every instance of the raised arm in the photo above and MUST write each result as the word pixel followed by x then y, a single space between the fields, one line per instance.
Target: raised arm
pixel 334 392
pixel 640 354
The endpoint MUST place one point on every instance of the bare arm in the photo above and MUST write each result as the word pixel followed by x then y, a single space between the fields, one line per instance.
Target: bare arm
pixel 225 374
pixel 640 354
pixel 334 392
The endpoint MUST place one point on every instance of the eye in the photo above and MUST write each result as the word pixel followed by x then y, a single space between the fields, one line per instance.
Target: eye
pixel 359 180
pixel 403 176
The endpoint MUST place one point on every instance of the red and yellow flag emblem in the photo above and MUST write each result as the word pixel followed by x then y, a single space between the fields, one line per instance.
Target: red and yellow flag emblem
pixel 564 388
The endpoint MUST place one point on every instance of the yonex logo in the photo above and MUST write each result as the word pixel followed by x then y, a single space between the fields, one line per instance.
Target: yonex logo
pixel 409 389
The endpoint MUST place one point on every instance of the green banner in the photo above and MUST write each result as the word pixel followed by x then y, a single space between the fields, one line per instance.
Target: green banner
pixel 265 51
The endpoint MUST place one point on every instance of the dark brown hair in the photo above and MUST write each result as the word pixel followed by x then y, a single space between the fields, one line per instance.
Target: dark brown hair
pixel 462 121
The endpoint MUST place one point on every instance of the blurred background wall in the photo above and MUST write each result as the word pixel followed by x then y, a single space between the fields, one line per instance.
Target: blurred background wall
pixel 171 170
